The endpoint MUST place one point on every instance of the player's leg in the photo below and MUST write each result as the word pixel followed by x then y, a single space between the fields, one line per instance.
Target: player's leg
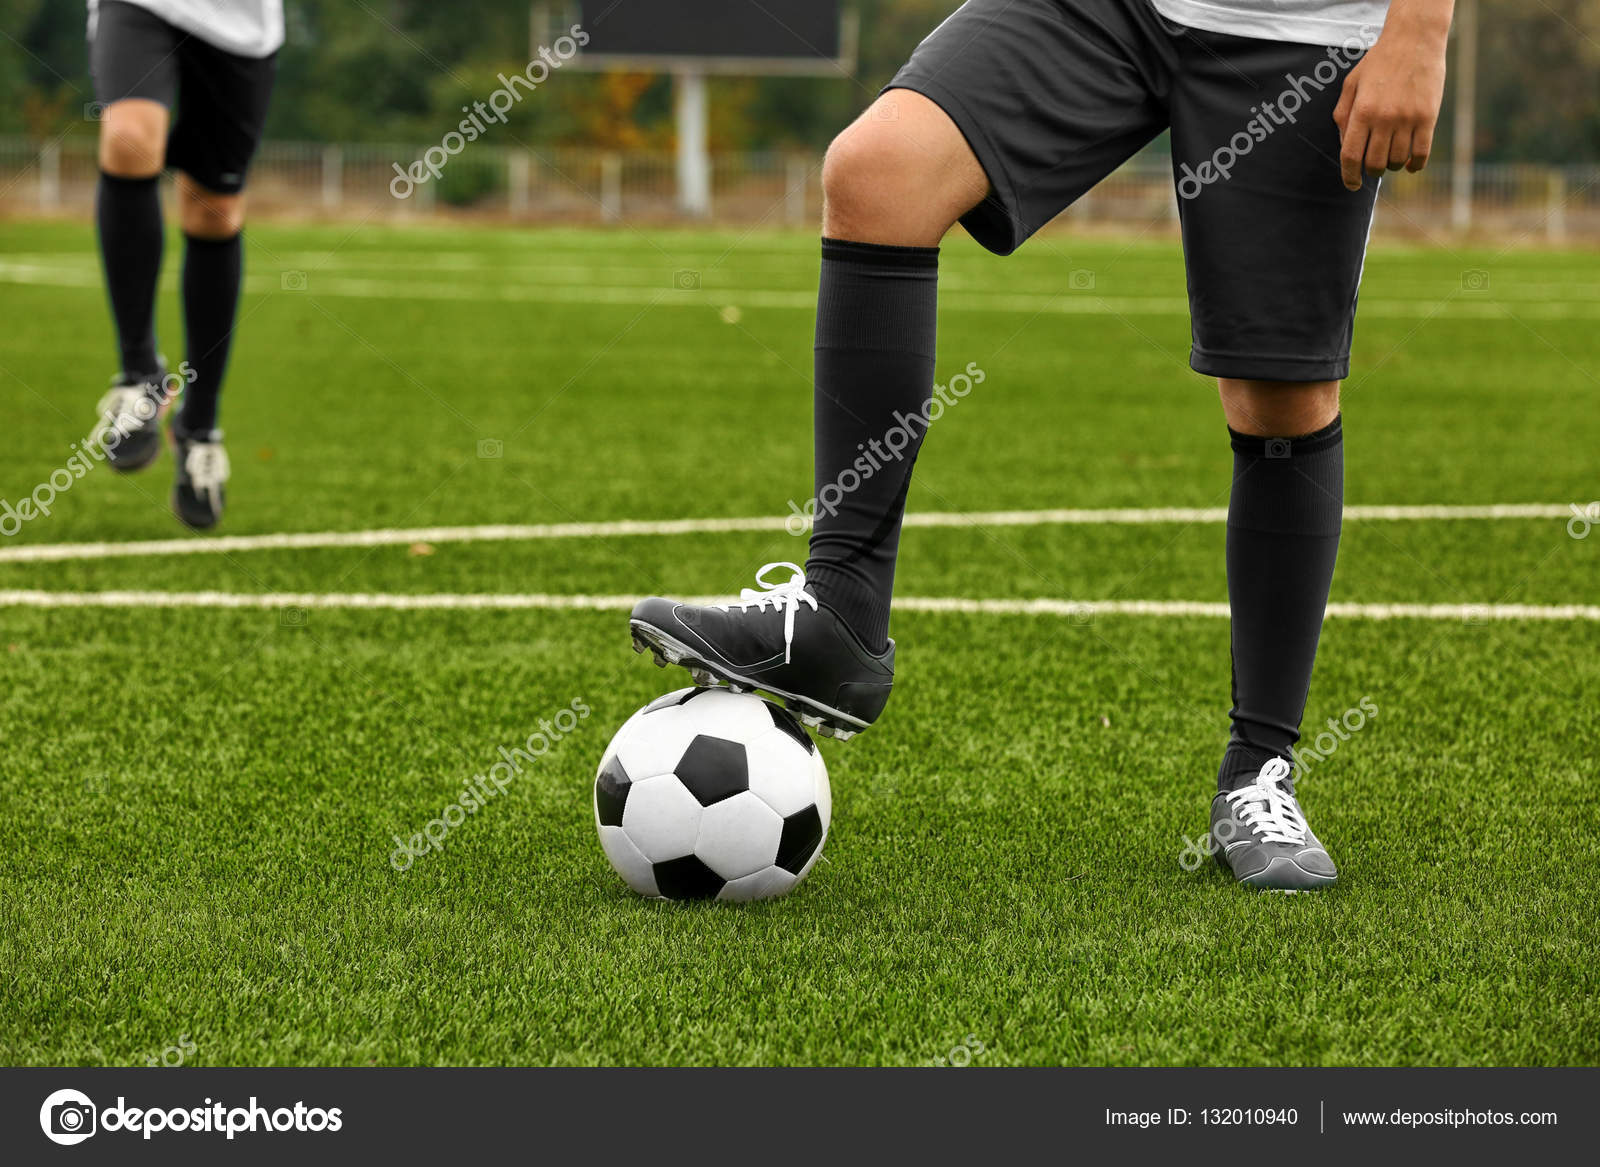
pixel 1007 113
pixel 222 106
pixel 1275 247
pixel 893 184
pixel 134 76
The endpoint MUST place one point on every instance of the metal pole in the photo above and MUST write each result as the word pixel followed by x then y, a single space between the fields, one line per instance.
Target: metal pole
pixel 1466 114
pixel 694 163
pixel 332 177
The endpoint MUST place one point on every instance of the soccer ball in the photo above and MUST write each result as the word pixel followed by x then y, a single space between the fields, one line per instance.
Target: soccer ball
pixel 710 794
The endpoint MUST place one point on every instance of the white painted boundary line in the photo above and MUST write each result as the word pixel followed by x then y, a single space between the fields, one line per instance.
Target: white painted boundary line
pixel 224 544
pixel 1077 610
pixel 1070 303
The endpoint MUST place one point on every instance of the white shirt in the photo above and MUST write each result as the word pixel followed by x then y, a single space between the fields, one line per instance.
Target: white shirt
pixel 1306 22
pixel 246 28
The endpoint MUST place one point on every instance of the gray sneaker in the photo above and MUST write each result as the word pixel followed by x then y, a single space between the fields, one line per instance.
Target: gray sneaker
pixel 130 420
pixel 1260 834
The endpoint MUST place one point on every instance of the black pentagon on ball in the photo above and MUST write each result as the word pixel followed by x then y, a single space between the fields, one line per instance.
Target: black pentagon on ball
pixel 790 725
pixel 611 792
pixel 713 768
pixel 672 699
pixel 687 879
pixel 802 835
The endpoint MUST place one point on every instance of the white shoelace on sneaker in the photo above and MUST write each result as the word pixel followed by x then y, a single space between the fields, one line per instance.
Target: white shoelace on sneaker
pixel 785 597
pixel 1267 809
pixel 208 470
pixel 120 409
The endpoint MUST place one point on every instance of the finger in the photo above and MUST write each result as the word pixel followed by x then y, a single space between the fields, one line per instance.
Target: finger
pixel 1421 148
pixel 1352 152
pixel 1347 98
pixel 1377 159
pixel 1400 150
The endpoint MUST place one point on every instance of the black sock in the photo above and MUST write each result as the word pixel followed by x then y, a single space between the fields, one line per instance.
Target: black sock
pixel 212 269
pixel 1283 538
pixel 128 215
pixel 877 308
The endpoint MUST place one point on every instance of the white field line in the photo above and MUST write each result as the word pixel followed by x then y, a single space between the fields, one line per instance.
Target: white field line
pixel 1471 306
pixel 1079 611
pixel 499 533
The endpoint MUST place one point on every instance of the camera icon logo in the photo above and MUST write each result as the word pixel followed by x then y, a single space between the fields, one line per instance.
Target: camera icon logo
pixel 94 111
pixel 293 281
pixel 1475 280
pixel 491 448
pixel 1081 280
pixel 686 280
pixel 67 1117
pixel 292 618
pixel 1279 447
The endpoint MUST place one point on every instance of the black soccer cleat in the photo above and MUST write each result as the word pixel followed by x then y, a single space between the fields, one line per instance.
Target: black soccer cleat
pixel 1259 833
pixel 130 420
pixel 199 487
pixel 778 640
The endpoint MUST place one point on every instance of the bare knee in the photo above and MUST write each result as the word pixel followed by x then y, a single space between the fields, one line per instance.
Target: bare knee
pixel 133 138
pixel 205 214
pixel 1279 409
pixel 900 174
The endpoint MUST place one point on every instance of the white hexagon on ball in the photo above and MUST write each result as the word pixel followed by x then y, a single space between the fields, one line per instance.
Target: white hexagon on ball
pixel 726 714
pixel 738 836
pixel 654 742
pixel 763 885
pixel 781 772
pixel 629 861
pixel 661 818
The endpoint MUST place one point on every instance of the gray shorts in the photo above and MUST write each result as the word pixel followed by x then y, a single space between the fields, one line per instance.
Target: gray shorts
pixel 1053 95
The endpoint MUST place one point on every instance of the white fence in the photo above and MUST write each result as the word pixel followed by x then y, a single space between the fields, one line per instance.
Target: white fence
pixel 562 184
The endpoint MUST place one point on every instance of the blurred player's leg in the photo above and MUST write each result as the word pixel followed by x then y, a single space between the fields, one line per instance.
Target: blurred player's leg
pixel 222 99
pixel 133 143
pixel 135 75
pixel 213 267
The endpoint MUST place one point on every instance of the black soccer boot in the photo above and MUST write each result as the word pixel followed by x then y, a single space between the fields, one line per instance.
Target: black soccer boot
pixel 777 639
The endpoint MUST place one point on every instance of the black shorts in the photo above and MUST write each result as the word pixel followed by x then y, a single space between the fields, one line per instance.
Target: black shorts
pixel 221 98
pixel 1053 95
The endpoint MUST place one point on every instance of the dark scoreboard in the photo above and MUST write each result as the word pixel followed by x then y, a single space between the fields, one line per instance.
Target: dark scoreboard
pixel 785 35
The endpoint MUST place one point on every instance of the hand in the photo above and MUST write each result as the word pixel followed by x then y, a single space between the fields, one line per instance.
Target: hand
pixel 1389 106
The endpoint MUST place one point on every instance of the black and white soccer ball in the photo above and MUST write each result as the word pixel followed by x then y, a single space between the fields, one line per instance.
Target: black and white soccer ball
pixel 710 794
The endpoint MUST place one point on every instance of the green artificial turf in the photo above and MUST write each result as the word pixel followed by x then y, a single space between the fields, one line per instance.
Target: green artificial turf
pixel 197 806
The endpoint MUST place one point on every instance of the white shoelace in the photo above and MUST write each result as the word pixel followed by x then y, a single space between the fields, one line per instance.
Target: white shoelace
pixel 1267 809
pixel 208 470
pixel 785 597
pixel 119 408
